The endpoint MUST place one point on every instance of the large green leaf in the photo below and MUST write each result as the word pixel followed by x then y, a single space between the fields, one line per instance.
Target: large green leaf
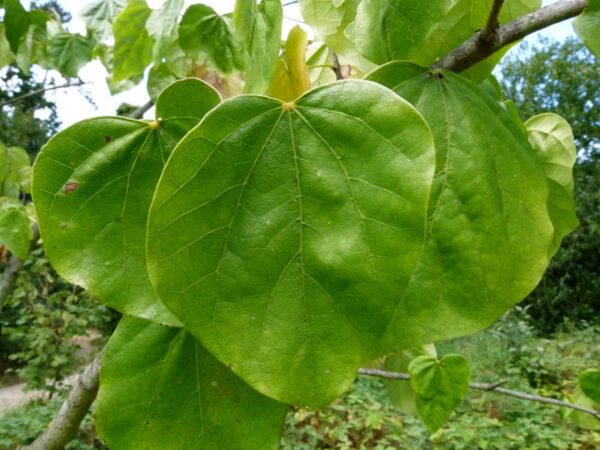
pixel 260 29
pixel 589 380
pixel 421 32
pixel 70 52
pixel 100 15
pixel 6 56
pixel 15 171
pixel 552 138
pixel 133 45
pixel 93 184
pixel 587 26
pixel 16 22
pixel 160 389
pixel 582 419
pixel 490 236
pixel 210 39
pixel 281 233
pixel 162 26
pixel 32 48
pixel 15 227
pixel 440 386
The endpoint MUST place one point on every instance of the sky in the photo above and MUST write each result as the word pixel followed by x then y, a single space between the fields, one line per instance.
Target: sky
pixel 73 106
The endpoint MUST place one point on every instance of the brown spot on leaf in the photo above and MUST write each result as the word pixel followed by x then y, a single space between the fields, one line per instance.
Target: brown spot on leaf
pixel 70 187
pixel 107 138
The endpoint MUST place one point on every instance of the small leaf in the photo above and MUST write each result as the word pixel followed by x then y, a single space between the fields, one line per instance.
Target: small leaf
pixel 587 26
pixel 15 227
pixel 70 52
pixel 14 171
pixel 6 56
pixel 589 380
pixel 281 234
pixel 440 386
pixel 582 419
pixel 209 39
pixel 291 78
pixel 551 136
pixel 133 45
pixel 162 26
pixel 159 78
pixel 16 22
pixel 93 183
pixel 160 389
pixel 99 16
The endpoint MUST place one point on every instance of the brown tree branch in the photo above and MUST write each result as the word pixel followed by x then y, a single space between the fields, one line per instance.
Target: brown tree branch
pixel 492 22
pixel 476 48
pixel 65 424
pixel 490 387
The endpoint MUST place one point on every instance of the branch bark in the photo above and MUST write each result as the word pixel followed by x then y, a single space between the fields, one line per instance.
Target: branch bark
pixel 139 113
pixel 492 22
pixel 65 424
pixel 490 387
pixel 477 47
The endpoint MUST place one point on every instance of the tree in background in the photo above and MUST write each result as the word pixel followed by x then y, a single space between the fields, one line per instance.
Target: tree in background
pixel 563 77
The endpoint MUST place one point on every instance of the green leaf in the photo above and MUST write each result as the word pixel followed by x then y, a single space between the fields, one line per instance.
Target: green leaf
pixel 6 56
pixel 162 26
pixel 320 63
pixel 209 39
pixel 582 419
pixel 260 29
pixel 159 78
pixel 93 184
pixel 14 171
pixel 551 136
pixel 329 20
pixel 15 227
pixel 70 52
pixel 440 386
pixel 16 22
pixel 160 389
pixel 281 234
pixel 490 235
pixel 587 26
pixel 387 30
pixel 400 392
pixel 32 49
pixel 291 78
pixel 99 17
pixel 589 380
pixel 133 45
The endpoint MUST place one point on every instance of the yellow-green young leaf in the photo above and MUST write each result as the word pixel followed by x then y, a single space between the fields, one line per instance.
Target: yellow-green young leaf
pixel 99 16
pixel 15 227
pixel 320 64
pixel 552 138
pixel 281 234
pixel 69 52
pixel 589 380
pixel 291 78
pixel 6 56
pixel 162 26
pixel 160 389
pixel 421 32
pixel 587 26
pixel 209 38
pixel 582 419
pixel 260 29
pixel 133 45
pixel 490 235
pixel 400 392
pixel 15 175
pixel 440 386
pixel 16 23
pixel 93 184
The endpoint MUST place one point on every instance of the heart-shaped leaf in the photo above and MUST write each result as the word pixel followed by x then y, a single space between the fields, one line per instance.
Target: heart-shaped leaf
pixel 15 227
pixel 160 389
pixel 587 26
pixel 282 233
pixel 490 236
pixel 93 184
pixel 440 386
pixel 589 380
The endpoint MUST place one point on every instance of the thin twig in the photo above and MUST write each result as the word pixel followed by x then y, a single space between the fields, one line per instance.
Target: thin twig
pixel 41 91
pixel 336 66
pixel 65 424
pixel 289 3
pixel 489 387
pixel 492 22
pixel 139 113
pixel 476 49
